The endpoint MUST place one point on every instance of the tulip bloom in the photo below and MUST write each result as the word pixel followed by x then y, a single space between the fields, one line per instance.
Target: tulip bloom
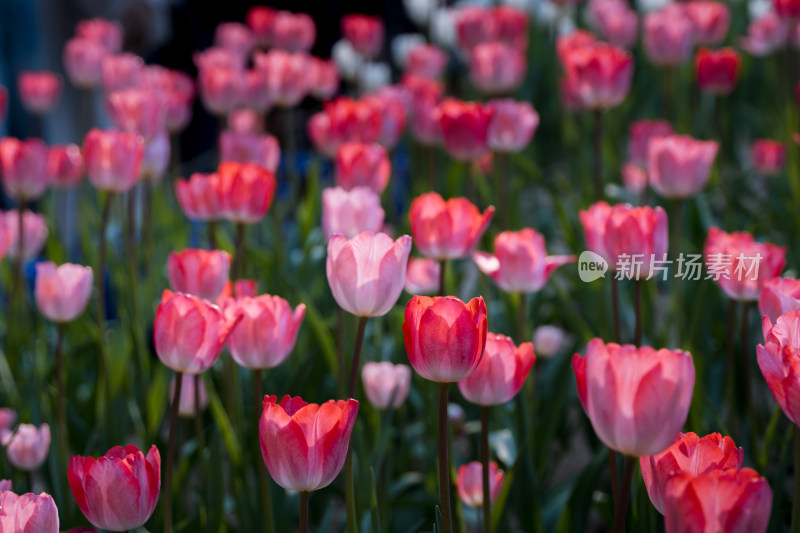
pixel 780 295
pixel 62 292
pixel 740 265
pixel 365 165
pixel 422 276
pixel 637 399
pixel 768 156
pixel 118 491
pixel 386 383
pixel 778 361
pixel 83 62
pixel 465 128
pixel 138 111
pixel 424 120
pixel 392 101
pixel 24 168
pixel 470 483
pixel 634 178
pixel 187 408
pixel 520 263
pixel 615 22
pixel 497 68
pixel 350 212
pixel 719 501
pixel 113 159
pixel 28 513
pixel 245 191
pixel 293 32
pixel 680 166
pixel 717 70
pixel 640 134
pixel 199 196
pixel 121 71
pixel 221 88
pixel 267 331
pixel 446 229
pixel 344 120
pixel 286 74
pixel 594 222
pixel 304 445
pixel 549 340
pixel 690 454
pixel 711 21
pixel 235 37
pixel 189 333
pixel 511 25
pixel 765 35
pixel 202 273
pixel 176 90
pixel 668 35
pixel 474 25
pixel 35 232
pixel 324 76
pixel 366 273
pixel 501 373
pixel 39 92
pixel 246 147
pixel 512 126
pixel 598 76
pixel 636 233
pixel 365 33
pixel 27 446
pixel 787 9
pixel 430 326
pixel 107 33
pixel 64 165
pixel 426 60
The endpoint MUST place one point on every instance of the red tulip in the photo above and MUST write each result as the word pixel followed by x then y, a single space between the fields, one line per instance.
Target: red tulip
pixel 634 178
pixel 513 125
pixel 24 168
pixel 787 9
pixel 198 197
pixel 717 70
pixel 780 295
pixel 260 20
pixel 768 156
pixel 138 111
pixel 638 234
pixel 637 399
pixel 426 60
pixel 189 333
pixel 221 88
pixel 497 68
pixel 235 37
pixel 34 231
pixel 365 33
pixel 27 446
pixel 424 119
pixel 765 35
pixel 470 483
pixel 386 383
pixel 344 120
pixel 668 35
pixel 680 166
pixel 245 191
pixel 246 147
pixel 304 445
pixel 186 407
pixel 429 330
pixel 500 374
pixel 122 71
pixel 62 292
pixel 740 265
pixel 118 491
pixel 39 92
pixel 267 331
pixel 202 273
pixel 293 32
pixel 447 229
pixel 64 165
pixel 83 62
pixel 474 25
pixel 465 128
pixel 422 276
pixel 688 454
pixel 598 75
pixel 614 21
pixel 511 25
pixel 107 33
pixel 391 101
pixel 324 76
pixel 779 361
pixel 641 133
pixel 113 159
pixel 28 513
pixel 566 44
pixel 350 212
pixel 287 75
pixel 711 21
pixel 364 165
pixel 366 273
pixel 719 501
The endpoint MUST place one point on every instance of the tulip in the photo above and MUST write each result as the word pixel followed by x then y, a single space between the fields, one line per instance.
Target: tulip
pixel 113 159
pixel 260 20
pixel 594 222
pixel 198 196
pixel 364 165
pixel 511 25
pixel 34 233
pixel 267 331
pixel 598 75
pixel 690 454
pixel 39 92
pixel 386 383
pixel 422 276
pixel 765 35
pixel 640 134
pixel 64 165
pixel 768 156
pixel 469 486
pixel 202 273
pixel 324 76
pixel 245 121
pixel 447 229
pixel 711 21
pixel 520 263
pixel 118 491
pixel 634 178
pixel 122 71
pixel 475 25
pixel 787 9
pixel 176 91
pixel 465 128
pixel 246 147
pixel 566 44
pixel 189 333
pixel 680 166
pixel 138 111
pixel 779 296
pixel 740 265
pixel 365 33
pixel 24 168
pixel 668 35
pixel 245 191
pixel 189 397
pixel 497 68
pixel 426 60
pixel 778 358
pixel 62 292
pixel 28 513
pixel 638 234
pixel 350 212
pixel 83 62
pixel 344 120
pixel 107 33
pixel 391 101
pixel 218 57
pixel 221 88
pixel 7 418
pixel 293 32
pixel 615 22
pixel 401 48
pixel 304 445
pixel 286 74
pixel 424 120
pixel 717 70
pixel 241 288
pixel 155 159
pixel 717 501
pixel 27 446
pixel 501 372
pixel 235 37
pixel 549 340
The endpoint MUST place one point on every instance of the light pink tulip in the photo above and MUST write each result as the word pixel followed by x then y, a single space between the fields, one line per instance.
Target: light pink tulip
pixel 711 21
pixel 107 33
pixel 497 68
pixel 83 62
pixel 202 273
pixel 386 383
pixel 287 75
pixel 62 292
pixel 641 133
pixel 422 276
pixel 35 232
pixel 235 37
pixel 470 483
pixel 293 32
pixel 23 167
pixel 246 147
pixel 501 373
pixel 324 78
pixel 122 71
pixel 668 35
pixel 512 126
pixel 679 166
pixel 27 446
pixel 113 159
pixel 28 513
pixel 139 111
pixel 351 212
pixel 638 233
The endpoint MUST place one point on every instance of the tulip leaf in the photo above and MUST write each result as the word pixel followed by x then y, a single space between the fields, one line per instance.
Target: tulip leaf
pixel 223 423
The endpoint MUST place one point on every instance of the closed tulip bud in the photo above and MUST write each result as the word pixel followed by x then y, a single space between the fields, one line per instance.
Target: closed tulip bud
pixel 765 35
pixel 324 78
pixel 366 273
pixel 513 125
pixel 768 156
pixel 221 88
pixel 688 454
pixel 199 196
pixel 202 273
pixel 641 133
pixel 364 165
pixel 246 147
pixel 122 71
pixel 598 75
pixel 83 62
pixel 245 121
pixel 639 232
pixel 235 37
pixel 34 233
pixel 787 9
pixel 447 229
pixel 365 33
pixel 680 166
pixel 780 295
pixel 23 166
pixel 118 491
pixel 501 373
pixel 614 21
pixel 549 341
pixel 778 361
pixel 64 165
pixel 62 292
pixel 28 513
pixel 267 331
pixel 304 445
pixel 293 32
pixel 386 383
pixel 27 446
pixel 634 178
pixel 391 100
pixel 717 70
pixel 176 91
pixel 567 43
pixel 474 25
pixel 740 265
pixel 189 333
pixel 719 501
pixel 497 68
pixel 350 212
pixel 7 418
pixel 39 92
pixel 429 327
pixel 426 60
pixel 465 128
pixel 637 399
pixel 287 75
pixel 470 483
pixel 422 276
pixel 113 159
pixel 139 111
pixel 186 408
pixel 245 191
pixel 107 33
pixel 711 21
pixel 668 35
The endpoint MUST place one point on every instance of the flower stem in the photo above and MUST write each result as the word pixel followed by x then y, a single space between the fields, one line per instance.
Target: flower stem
pixel 350 493
pixel 795 525
pixel 201 440
pixel 239 259
pixel 613 475
pixel 487 493
pixel 615 308
pixel 104 379
pixel 637 302
pixel 748 389
pixel 522 317
pixel 304 512
pixel 444 464
pixel 598 155
pixel 729 332
pixel 19 290
pixel 352 385
pixel 621 506
pixel 61 400
pixel 442 274
pixel 266 497
pixel 212 234
pixel 173 427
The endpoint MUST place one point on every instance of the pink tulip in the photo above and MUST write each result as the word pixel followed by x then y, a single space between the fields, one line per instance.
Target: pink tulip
pixel 155 160
pixel 189 333
pixel 364 165
pixel 500 374
pixel 245 191
pixel 780 295
pixel 113 159
pixel 28 513
pixel 668 35
pixel 511 25
pixel 118 491
pixel 423 113
pixel 241 288
pixel 186 408
pixel 35 232
pixel 497 68
pixel 394 115
pixel 779 361
pixel 267 331
pixel 634 178
pixel 245 121
pixel 287 75
pixel 711 21
pixel 549 341
pixel 365 33
pixel 344 120
pixel 680 166
pixel 122 71
pixel 366 273
pixel 176 91
pixel 83 62
pixel 594 222
pixel 641 133
pixel 688 454
pixel 221 88
pixel 422 276
pixel 260 20
pixel 567 44
pixel 614 21
pixel 637 233
pixel 447 229
pixel 198 197
pixel 475 25
pixel 64 165
pixel 139 111
pixel 24 168
pixel 235 37
pixel 426 60
pixel 7 418
pixel 386 383
pixel 637 399
pixel 768 156
pixel 598 76
pixel 107 33
pixel 324 76
pixel 246 147
pixel 27 446
pixel 470 483
pixel 465 128
pixel 218 57
pixel 765 35
pixel 293 32
pixel 255 91
pixel 351 212
pixel 513 125
pixel 39 92
pixel 62 292
pixel 202 273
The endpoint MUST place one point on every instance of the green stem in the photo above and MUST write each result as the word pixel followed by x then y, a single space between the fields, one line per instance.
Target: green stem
pixel 621 506
pixel 613 474
pixel 442 275
pixel 729 331
pixel 487 492
pixel 173 427
pixel 201 439
pixel 522 317
pixel 304 512
pixel 212 234
pixel 352 385
pixel 444 464
pixel 239 257
pixel 637 302
pixel 795 525
pixel 266 497
pixel 350 493
pixel 598 155
pixel 104 379
pixel 615 308
pixel 61 400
